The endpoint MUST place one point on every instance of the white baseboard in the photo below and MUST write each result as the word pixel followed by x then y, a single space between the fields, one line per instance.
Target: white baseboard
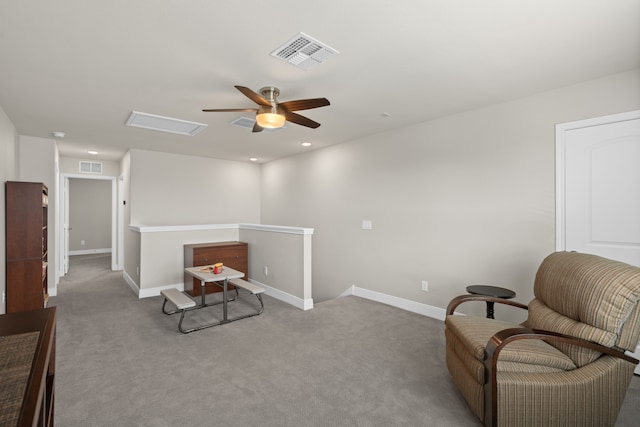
pixel 404 304
pixel 90 251
pixel 302 304
pixel 636 355
pixel 132 283
pixel 148 292
pixel 424 309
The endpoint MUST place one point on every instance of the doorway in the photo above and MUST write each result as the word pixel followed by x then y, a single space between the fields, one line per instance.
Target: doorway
pixel 68 246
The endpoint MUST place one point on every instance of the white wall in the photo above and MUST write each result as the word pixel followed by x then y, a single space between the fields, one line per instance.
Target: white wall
pixel 169 189
pixel 285 251
pixel 465 199
pixel 8 172
pixel 71 165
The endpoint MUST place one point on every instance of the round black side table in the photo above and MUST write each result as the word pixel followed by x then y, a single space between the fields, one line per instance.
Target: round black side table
pixel 491 291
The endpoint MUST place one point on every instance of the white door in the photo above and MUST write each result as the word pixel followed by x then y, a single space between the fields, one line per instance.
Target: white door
pixel 598 188
pixel 66 229
pixel 598 180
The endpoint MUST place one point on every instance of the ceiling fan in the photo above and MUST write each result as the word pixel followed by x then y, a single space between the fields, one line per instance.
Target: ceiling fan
pixel 272 114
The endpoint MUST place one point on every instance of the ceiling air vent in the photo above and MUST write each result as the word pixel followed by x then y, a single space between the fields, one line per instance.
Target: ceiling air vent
pixel 164 124
pixel 90 167
pixel 304 52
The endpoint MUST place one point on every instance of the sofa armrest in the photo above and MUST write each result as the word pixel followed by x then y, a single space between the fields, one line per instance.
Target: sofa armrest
pixel 498 341
pixel 473 297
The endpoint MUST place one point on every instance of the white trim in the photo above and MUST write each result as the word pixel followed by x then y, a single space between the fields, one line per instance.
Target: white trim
pixel 148 292
pixel 120 225
pixel 636 355
pixel 561 131
pixel 154 292
pixel 404 304
pixel 302 304
pixel 272 292
pixel 90 251
pixel 132 284
pixel 276 228
pixel 258 227
pixel 164 228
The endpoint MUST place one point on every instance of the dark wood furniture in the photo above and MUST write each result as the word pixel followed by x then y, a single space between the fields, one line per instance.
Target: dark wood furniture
pixel 27 367
pixel 26 205
pixel 491 291
pixel 231 254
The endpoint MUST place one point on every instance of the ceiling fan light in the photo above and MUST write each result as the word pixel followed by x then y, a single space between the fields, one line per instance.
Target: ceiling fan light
pixel 270 120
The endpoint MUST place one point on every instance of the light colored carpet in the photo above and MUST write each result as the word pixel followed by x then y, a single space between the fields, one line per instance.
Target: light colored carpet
pixel 347 362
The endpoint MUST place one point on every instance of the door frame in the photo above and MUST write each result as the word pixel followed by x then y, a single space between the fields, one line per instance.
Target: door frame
pixel 64 211
pixel 561 133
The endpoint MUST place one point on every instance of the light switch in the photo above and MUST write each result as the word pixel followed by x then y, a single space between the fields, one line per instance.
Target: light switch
pixel 367 225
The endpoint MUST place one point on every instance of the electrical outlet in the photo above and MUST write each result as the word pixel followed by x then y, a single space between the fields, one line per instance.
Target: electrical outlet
pixel 425 286
pixel 367 224
pixel 82 242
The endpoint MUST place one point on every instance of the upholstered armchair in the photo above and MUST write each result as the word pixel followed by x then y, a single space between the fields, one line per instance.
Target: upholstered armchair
pixel 565 365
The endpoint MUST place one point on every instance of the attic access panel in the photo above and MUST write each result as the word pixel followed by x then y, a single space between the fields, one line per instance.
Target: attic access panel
pixel 164 124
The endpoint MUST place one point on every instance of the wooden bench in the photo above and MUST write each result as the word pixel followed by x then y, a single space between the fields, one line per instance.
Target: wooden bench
pixel 180 300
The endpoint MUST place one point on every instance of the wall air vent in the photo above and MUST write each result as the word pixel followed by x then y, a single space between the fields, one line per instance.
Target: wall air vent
pixel 245 122
pixel 164 124
pixel 90 167
pixel 304 52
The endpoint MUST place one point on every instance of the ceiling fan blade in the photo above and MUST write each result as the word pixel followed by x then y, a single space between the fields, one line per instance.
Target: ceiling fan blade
pixel 257 128
pixel 304 104
pixel 300 120
pixel 223 110
pixel 258 99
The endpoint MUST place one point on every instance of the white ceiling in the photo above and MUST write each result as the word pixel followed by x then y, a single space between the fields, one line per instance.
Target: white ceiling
pixel 82 67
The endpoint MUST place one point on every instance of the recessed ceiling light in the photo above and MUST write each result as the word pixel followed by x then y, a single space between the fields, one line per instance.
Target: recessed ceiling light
pixel 58 134
pixel 306 144
pixel 253 159
pixel 92 152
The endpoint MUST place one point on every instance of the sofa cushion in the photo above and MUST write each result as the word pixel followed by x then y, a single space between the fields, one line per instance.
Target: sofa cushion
pixel 589 290
pixel 470 335
pixel 587 297
pixel 542 317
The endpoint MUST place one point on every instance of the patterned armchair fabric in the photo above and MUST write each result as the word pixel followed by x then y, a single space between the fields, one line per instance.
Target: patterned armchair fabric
pixel 566 364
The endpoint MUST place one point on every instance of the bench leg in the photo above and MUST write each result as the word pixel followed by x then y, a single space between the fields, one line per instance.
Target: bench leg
pixel 252 314
pixel 184 310
pixel 164 305
pixel 261 304
pixel 180 323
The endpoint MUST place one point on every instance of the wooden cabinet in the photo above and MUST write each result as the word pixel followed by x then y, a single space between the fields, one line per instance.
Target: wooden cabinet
pixel 231 254
pixel 27 351
pixel 26 205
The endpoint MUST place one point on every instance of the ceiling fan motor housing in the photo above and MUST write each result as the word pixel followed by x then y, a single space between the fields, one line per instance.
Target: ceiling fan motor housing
pixel 270 93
